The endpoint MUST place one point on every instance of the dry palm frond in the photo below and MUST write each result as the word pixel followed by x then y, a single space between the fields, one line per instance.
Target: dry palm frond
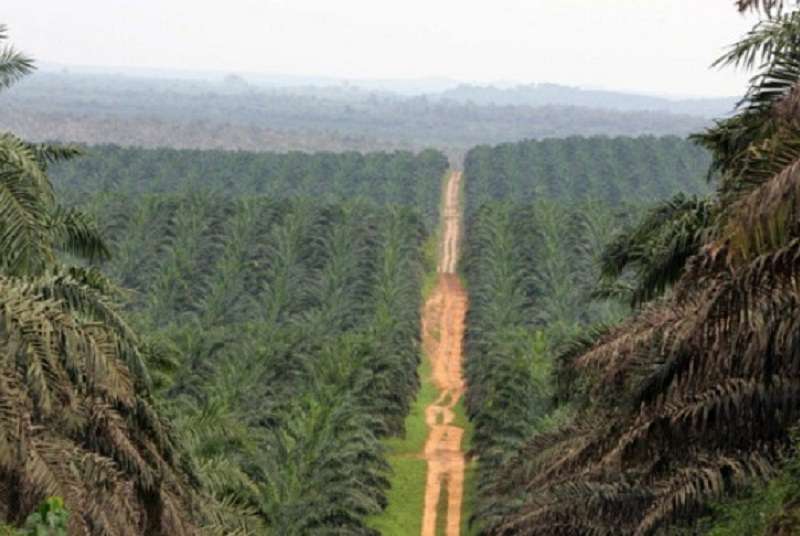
pixel 74 424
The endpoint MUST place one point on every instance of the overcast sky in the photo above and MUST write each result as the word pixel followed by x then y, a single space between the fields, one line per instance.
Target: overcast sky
pixel 663 46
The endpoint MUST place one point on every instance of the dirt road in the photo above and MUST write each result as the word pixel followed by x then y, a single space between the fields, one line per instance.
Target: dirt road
pixel 443 330
pixel 451 217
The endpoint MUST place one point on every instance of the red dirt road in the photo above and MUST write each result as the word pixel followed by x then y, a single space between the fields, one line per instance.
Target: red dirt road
pixel 443 331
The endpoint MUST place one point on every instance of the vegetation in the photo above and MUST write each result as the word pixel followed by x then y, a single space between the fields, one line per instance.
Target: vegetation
pixel 762 508
pixel 261 349
pixel 50 519
pixel 399 178
pixel 530 270
pixel 284 338
pixel 131 111
pixel 403 515
pixel 693 398
pixel 77 418
pixel 610 170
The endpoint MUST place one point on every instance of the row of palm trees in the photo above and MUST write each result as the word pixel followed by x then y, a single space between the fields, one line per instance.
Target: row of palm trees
pixel 399 177
pixel 530 269
pixel 616 170
pixel 285 338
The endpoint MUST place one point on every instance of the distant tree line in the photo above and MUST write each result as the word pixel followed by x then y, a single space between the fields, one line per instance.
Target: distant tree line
pixel 152 113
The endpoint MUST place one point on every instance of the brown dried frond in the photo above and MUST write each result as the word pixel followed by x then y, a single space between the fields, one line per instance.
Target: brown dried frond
pixel 73 424
pixel 766 218
pixel 709 476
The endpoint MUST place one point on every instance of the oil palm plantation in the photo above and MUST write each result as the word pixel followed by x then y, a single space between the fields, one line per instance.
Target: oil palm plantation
pixel 696 395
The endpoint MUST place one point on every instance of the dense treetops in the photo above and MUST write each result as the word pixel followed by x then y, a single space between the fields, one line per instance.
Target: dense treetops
pixel 531 269
pixel 283 340
pixel 614 170
pixel 280 322
pixel 399 178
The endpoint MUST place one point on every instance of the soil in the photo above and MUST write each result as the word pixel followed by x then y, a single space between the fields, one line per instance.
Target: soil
pixel 443 333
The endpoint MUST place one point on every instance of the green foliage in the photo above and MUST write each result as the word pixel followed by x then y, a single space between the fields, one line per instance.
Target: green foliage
pixel 50 519
pixel 654 252
pixel 409 471
pixel 760 509
pixel 35 228
pixel 14 65
pixel 283 335
pixel 600 169
pixel 396 178
pixel 752 513
pixel 530 270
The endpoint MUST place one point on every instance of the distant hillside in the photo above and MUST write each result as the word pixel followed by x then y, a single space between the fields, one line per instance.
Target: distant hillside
pixel 233 114
pixel 553 94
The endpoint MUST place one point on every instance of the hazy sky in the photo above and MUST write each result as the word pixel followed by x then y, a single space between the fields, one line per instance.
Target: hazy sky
pixel 661 46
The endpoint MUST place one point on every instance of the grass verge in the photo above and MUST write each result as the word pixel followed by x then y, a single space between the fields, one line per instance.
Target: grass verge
pixel 470 469
pixel 468 506
pixel 403 516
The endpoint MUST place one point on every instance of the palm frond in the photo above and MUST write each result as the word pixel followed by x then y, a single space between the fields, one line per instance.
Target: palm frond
pixel 74 421
pixel 776 35
pixel 657 248
pixel 13 65
pixel 77 234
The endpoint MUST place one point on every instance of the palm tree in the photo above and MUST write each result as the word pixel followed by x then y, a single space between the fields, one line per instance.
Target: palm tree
pixel 77 421
pixel 33 227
